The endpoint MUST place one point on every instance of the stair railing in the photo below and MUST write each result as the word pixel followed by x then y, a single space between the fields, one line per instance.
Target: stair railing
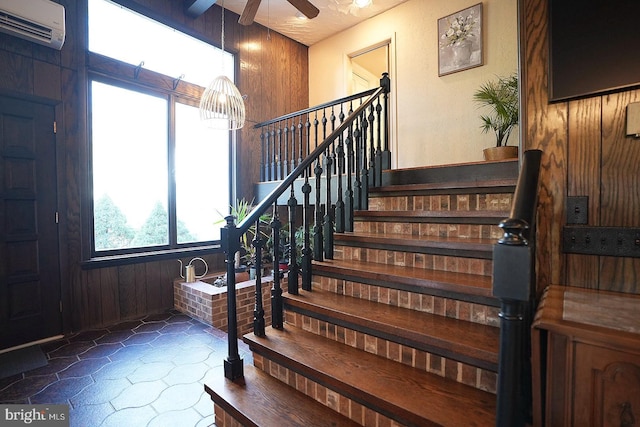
pixel 514 285
pixel 350 154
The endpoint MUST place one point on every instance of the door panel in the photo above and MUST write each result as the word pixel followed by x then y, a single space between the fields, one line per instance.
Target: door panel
pixel 29 261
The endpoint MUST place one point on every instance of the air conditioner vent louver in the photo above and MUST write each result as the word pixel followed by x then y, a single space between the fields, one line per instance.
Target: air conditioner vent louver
pixel 39 21
pixel 24 27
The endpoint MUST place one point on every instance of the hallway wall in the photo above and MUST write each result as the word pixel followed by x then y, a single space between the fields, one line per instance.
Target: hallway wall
pixel 438 122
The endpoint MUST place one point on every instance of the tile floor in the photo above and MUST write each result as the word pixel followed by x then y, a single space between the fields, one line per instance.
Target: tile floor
pixel 145 373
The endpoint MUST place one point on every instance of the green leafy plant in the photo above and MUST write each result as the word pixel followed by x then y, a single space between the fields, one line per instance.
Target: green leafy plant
pixel 240 211
pixel 501 96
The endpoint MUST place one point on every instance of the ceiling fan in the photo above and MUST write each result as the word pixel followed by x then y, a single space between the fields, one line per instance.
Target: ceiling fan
pixel 251 8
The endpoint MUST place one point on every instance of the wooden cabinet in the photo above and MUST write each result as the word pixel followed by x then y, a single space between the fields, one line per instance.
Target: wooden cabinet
pixel 586 359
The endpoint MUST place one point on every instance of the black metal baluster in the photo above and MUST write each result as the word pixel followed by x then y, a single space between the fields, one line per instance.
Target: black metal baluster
pixel 327 224
pixel 277 312
pixel 285 160
pixel 364 195
pixel 378 175
pixel 332 119
pixel 316 123
pixel 317 170
pixel 318 250
pixel 271 154
pixel 264 158
pixel 300 140
pixel 307 129
pixel 357 190
pixel 372 148
pixel 294 271
pixel 348 204
pixel 293 146
pixel 339 159
pixel 277 168
pixel 258 310
pixel 324 124
pixel 306 222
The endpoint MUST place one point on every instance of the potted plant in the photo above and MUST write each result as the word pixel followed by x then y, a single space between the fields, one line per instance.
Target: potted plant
pixel 247 251
pixel 501 97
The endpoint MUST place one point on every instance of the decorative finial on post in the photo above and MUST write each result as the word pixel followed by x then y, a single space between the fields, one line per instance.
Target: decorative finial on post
pixel 513 232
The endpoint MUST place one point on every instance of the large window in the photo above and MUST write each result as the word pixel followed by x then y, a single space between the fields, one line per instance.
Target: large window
pixel 160 178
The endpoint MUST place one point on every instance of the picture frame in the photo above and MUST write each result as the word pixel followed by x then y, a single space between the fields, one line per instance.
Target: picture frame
pixel 460 40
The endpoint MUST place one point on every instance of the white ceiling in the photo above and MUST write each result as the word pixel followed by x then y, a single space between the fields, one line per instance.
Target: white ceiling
pixel 334 17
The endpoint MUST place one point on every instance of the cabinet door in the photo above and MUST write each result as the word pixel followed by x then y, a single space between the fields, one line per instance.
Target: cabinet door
pixel 606 387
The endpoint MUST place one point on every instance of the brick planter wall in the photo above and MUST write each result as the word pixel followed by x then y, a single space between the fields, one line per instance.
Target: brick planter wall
pixel 208 303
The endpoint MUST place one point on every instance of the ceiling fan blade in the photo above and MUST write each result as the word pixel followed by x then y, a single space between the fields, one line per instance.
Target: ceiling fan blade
pixel 249 12
pixel 304 6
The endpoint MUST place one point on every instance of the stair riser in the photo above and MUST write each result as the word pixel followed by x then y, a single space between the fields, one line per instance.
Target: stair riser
pixel 444 202
pixel 472 312
pixel 419 359
pixel 471 231
pixel 223 419
pixel 418 260
pixel 339 403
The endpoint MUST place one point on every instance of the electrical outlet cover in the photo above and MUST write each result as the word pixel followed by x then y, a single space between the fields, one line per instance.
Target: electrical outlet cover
pixel 578 210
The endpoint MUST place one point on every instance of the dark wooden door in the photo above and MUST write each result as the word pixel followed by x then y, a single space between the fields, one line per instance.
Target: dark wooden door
pixel 29 259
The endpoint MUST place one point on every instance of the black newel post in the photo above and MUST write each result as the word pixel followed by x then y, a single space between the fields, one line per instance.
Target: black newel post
pixel 514 284
pixel 512 280
pixel 385 82
pixel 230 239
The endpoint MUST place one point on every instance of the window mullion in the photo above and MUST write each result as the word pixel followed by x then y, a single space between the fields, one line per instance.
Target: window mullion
pixel 171 203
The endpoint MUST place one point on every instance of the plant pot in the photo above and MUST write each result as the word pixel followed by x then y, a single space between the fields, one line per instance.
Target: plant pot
pixel 500 153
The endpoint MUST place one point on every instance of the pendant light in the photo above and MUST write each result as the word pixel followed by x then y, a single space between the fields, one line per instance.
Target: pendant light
pixel 221 105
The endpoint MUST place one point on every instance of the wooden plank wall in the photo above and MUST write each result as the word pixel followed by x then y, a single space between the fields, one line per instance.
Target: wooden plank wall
pixel 274 76
pixel 586 153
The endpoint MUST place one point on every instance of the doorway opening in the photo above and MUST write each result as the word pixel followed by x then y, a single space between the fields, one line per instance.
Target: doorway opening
pixel 366 67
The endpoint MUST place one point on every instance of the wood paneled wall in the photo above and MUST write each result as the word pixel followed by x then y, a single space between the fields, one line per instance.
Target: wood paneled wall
pixel 273 73
pixel 586 153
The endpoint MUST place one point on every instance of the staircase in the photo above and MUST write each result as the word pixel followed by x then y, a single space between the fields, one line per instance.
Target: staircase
pixel 401 328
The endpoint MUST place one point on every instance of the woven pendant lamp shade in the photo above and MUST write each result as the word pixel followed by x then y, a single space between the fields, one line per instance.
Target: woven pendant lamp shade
pixel 222 106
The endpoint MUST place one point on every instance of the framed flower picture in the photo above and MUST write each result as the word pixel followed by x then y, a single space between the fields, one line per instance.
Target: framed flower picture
pixel 460 40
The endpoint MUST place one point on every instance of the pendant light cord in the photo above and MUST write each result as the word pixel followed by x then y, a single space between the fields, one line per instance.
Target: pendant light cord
pixel 222 4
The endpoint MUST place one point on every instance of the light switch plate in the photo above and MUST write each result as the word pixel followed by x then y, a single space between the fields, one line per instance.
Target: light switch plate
pixel 633 119
pixel 577 210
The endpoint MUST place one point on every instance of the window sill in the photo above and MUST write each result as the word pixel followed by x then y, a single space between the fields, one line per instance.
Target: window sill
pixel 140 257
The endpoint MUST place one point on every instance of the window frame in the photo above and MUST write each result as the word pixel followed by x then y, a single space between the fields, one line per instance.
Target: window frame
pixel 112 71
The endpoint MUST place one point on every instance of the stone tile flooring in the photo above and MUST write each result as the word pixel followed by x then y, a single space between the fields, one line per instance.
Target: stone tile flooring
pixel 145 373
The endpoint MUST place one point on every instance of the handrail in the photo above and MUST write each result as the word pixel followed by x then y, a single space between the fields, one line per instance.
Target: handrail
pixel 316 108
pixel 262 207
pixel 514 285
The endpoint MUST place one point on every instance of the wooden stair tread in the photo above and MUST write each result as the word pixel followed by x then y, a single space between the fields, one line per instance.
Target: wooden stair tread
pixel 463 286
pixel 418 240
pixel 473 247
pixel 471 174
pixel 472 217
pixel 263 401
pixel 410 396
pixel 507 184
pixel 460 340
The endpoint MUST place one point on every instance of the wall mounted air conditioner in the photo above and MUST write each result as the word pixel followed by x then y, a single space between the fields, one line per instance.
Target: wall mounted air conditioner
pixel 39 21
